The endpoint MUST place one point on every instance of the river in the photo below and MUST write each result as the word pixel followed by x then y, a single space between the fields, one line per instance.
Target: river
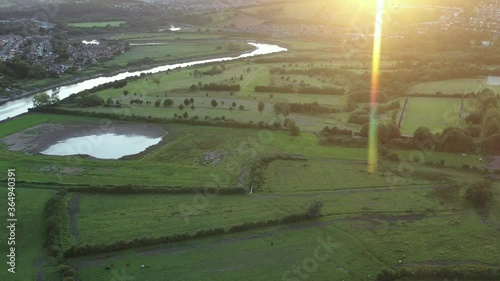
pixel 20 106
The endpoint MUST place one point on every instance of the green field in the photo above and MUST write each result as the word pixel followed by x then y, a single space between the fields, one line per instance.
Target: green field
pixel 433 113
pixel 410 213
pixel 174 52
pixel 96 24
pixel 454 86
pixel 31 257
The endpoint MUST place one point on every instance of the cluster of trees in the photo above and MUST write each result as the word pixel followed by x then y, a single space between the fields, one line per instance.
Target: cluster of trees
pixel 385 132
pixel 19 69
pixel 217 122
pixel 216 87
pixel 90 100
pixel 115 85
pixel 450 140
pixel 213 71
pixel 111 103
pixel 311 108
pixel 480 194
pixel 44 99
pixel 316 91
pixel 327 131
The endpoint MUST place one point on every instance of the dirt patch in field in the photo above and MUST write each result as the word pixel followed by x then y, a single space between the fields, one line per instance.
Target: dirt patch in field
pixel 213 157
pixel 494 164
pixel 60 170
pixel 38 138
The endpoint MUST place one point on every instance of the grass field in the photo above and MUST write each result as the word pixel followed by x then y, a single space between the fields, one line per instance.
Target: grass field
pixel 360 247
pixel 433 113
pixel 30 232
pixel 96 24
pixel 454 86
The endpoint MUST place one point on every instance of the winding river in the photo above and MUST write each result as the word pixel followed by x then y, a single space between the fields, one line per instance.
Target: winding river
pixel 20 106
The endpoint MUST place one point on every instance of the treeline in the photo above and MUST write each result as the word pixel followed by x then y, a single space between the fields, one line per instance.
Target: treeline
pixel 216 122
pixel 115 85
pixel 441 95
pixel 258 167
pixel 55 212
pixel 87 249
pixel 311 108
pixel 219 87
pixel 327 131
pixel 441 273
pixel 316 91
pixel 384 108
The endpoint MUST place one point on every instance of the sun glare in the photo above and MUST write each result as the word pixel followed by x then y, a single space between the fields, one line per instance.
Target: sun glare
pixel 377 44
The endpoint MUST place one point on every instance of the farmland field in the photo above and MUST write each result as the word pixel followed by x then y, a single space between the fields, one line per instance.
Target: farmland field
pixel 433 113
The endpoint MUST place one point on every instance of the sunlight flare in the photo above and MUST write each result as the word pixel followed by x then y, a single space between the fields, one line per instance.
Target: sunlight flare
pixel 375 87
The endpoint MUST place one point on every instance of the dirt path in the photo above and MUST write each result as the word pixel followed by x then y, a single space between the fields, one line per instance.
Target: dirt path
pixel 74 209
pixel 243 173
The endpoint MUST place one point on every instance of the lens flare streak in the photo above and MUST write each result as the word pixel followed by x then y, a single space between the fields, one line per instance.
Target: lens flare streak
pixel 375 87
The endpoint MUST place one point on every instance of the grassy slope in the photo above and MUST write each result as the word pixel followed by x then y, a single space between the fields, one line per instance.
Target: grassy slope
pixel 96 24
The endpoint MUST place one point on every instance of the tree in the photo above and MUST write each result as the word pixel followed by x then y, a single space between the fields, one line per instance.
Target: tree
pixel 191 100
pixel 168 103
pixel 157 80
pixel 185 115
pixel 314 209
pixel 480 194
pixel 282 108
pixel 40 100
pixel 181 106
pixel 214 103
pixel 125 93
pixel 261 106
pixel 293 128
pixel 157 103
pixel 234 104
pixel 422 134
pixel 242 107
pixel 186 102
pixel 193 88
pixel 109 103
pixel 365 130
pixel 192 107
pixel 382 133
pixel 200 84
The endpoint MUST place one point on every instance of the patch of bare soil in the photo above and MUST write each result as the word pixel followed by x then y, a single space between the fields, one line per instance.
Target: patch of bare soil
pixel 494 164
pixel 60 170
pixel 38 138
pixel 213 157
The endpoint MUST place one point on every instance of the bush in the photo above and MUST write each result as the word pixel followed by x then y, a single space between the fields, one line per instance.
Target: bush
pixel 480 194
pixel 314 209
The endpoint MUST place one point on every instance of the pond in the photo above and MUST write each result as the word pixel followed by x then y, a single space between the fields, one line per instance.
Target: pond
pixel 102 146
